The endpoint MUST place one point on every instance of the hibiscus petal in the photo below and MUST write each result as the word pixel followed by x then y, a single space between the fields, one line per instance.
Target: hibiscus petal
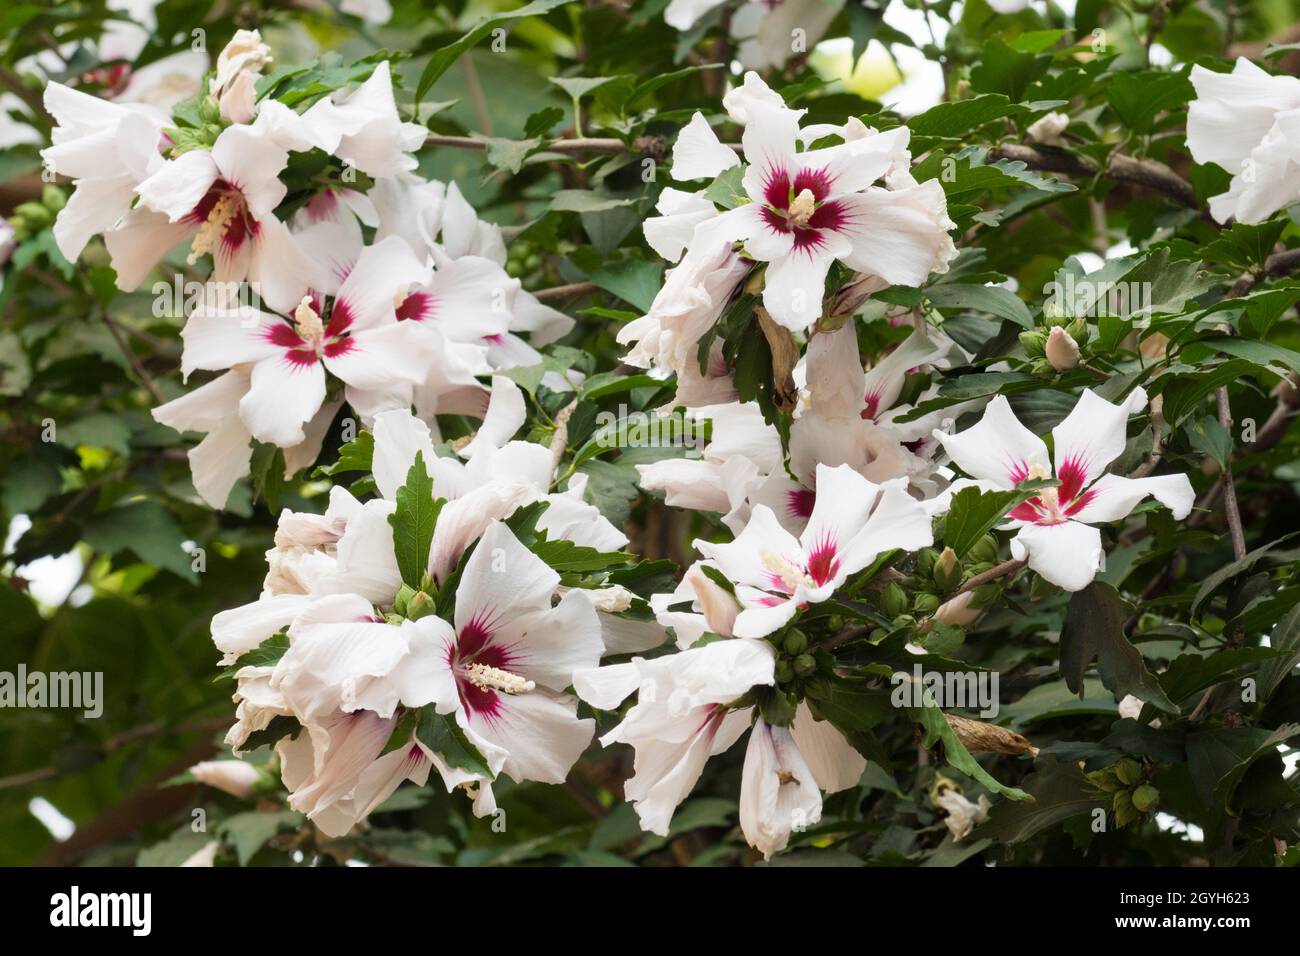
pixel 282 397
pixel 1067 554
pixel 699 154
pixel 997 448
pixel 1113 497
pixel 1090 438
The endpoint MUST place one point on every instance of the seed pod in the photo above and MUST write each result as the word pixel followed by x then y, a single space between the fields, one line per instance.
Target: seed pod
pixel 1146 797
pixel 1129 771
pixel 979 737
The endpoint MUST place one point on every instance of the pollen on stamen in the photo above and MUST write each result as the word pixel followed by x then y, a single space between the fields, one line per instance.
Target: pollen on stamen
pixel 494 678
pixel 219 218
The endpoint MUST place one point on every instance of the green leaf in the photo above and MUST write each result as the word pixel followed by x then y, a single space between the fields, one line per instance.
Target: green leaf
pixel 1138 98
pixel 441 734
pixel 145 528
pixel 270 735
pixel 250 831
pixel 509 154
pixel 727 191
pixel 1285 638
pixel 443 58
pixel 263 655
pixel 1058 791
pixel 585 200
pixel 635 281
pixel 937 728
pixel 563 555
pixel 1094 630
pixel 1218 759
pixel 994 300
pixel 413 521
pixel 356 455
pixel 974 513
pixel 1004 70
pixel 960 117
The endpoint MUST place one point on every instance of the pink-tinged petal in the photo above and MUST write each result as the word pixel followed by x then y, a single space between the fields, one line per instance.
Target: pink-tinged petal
pixel 1066 554
pixel 778 793
pixel 795 284
pixel 835 765
pixel 898 521
pixel 699 154
pixel 141 242
pixel 835 373
pixel 844 502
pixel 855 165
pixel 221 338
pixel 998 448
pixel 366 565
pixel 885 380
pixel 742 223
pixel 284 268
pixel 768 142
pixel 461 521
pixel 900 235
pixel 251 162
pixel 1091 437
pixel 542 734
pixel 506 413
pixel 747 559
pixel 1111 497
pixel 282 397
pixel 383 272
pixel 398 436
pixel 179 185
pixel 502 581
pixel 763 614
pixel 380 357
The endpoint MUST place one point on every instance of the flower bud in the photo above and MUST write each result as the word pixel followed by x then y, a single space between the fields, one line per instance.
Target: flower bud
pixel 238 103
pixel 1033 343
pixel 958 612
pixel 947 570
pixel 795 642
pixel 231 776
pixel 418 606
pixel 925 603
pixel 985 550
pixel 893 600
pixel 805 664
pixel 53 198
pixel 1061 350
